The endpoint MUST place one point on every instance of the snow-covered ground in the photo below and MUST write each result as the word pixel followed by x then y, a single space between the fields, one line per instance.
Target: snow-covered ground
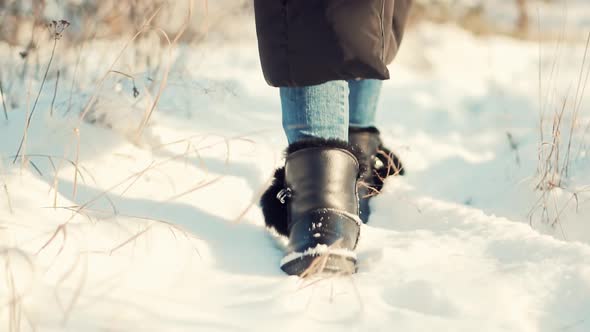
pixel 102 228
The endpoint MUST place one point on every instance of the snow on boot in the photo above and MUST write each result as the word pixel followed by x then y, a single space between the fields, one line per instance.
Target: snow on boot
pixel 314 202
pixel 377 162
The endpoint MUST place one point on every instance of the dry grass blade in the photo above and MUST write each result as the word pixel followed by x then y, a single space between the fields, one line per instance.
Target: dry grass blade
pixel 143 28
pixel 200 185
pixel 14 306
pixel 155 220
pixel 540 78
pixel 76 169
pixel 139 175
pixel 581 87
pixel 125 180
pixel 555 151
pixel 255 199
pixel 54 94
pixel 131 239
pixel 56 181
pixel 582 140
pixel 8 198
pixel 318 266
pixel 30 115
pixel 104 194
pixel 77 294
pixel 60 229
pixel 35 167
pixel 164 81
pixel 172 227
pixel 70 98
pixel 578 103
pixel 14 301
pixel 391 164
pixel 3 101
pixel 372 191
pixel 62 159
pixel 67 309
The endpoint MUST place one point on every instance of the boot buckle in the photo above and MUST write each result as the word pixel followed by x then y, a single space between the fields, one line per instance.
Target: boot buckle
pixel 284 194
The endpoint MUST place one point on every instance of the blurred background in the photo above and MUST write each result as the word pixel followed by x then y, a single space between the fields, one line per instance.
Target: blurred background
pixel 112 18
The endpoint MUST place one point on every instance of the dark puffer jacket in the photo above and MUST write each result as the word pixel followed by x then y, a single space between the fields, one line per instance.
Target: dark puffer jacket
pixel 308 42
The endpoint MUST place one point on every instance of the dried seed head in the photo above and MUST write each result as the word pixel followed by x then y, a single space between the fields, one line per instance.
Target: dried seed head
pixel 56 28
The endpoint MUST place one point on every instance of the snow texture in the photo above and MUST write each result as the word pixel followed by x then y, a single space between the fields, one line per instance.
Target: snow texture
pixel 104 229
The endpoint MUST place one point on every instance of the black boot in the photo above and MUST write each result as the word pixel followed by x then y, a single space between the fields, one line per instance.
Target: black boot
pixel 314 202
pixel 377 162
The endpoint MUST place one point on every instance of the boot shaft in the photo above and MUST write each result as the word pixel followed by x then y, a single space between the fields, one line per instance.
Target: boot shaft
pixel 321 178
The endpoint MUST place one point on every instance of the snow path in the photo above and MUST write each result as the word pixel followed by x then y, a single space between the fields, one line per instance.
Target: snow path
pixel 170 238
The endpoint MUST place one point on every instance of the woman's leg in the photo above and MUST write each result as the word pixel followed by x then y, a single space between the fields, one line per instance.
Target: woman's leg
pixel 313 199
pixel 363 99
pixel 327 110
pixel 378 162
pixel 317 111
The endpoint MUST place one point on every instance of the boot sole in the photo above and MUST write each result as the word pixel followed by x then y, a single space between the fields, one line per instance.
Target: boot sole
pixel 315 264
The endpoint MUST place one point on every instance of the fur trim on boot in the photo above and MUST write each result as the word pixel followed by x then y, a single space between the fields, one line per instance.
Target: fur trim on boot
pixel 275 212
pixel 378 161
pixel 383 164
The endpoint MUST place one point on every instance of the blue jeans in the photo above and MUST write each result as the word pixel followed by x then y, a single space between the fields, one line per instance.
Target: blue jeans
pixel 327 110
